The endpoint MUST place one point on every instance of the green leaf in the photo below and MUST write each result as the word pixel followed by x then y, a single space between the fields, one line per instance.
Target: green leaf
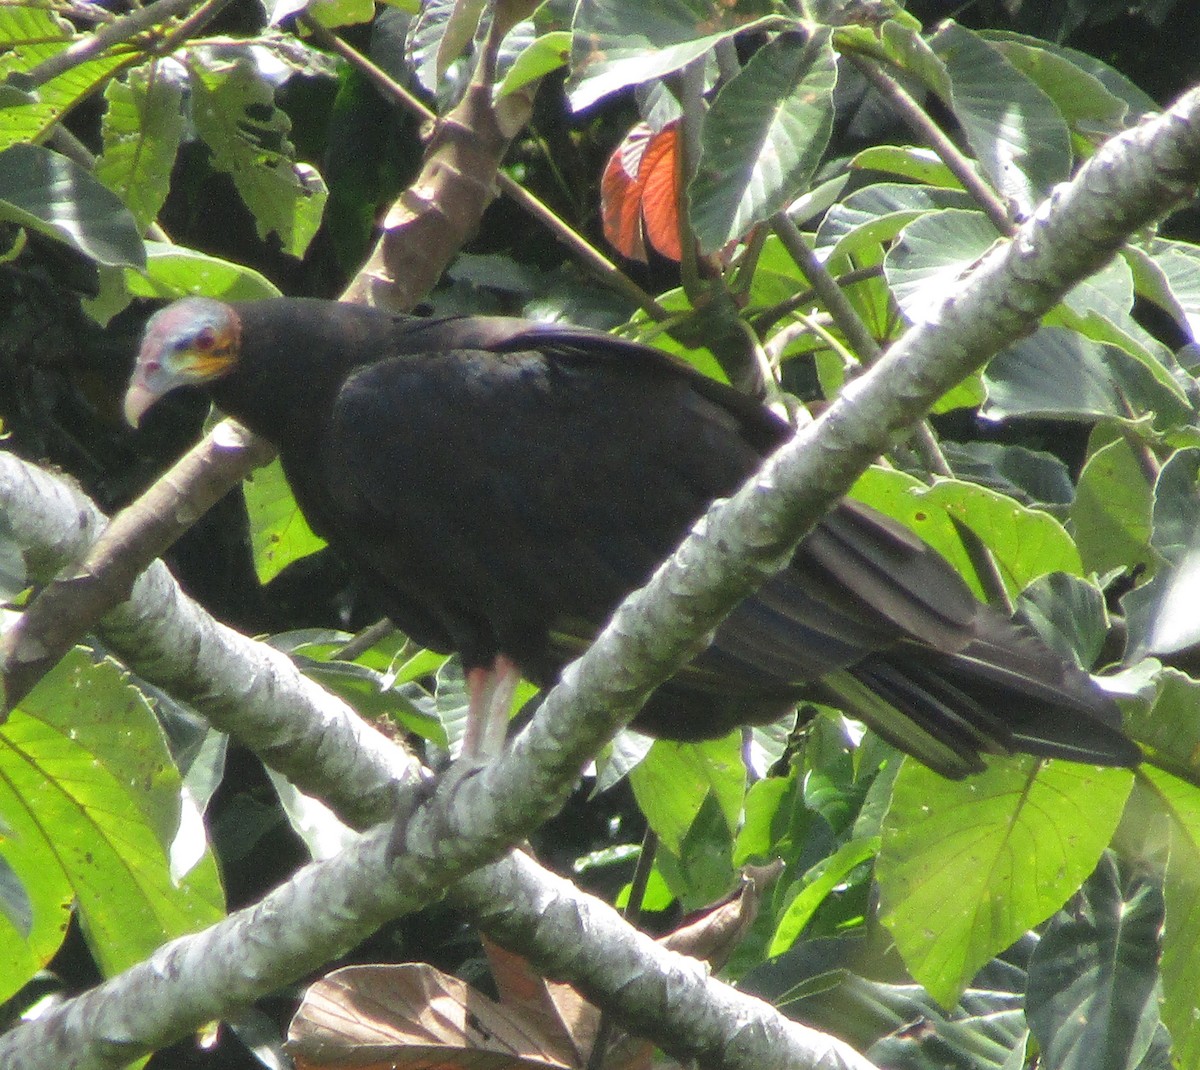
pixel 1181 926
pixel 15 904
pixel 1030 476
pixel 1068 613
pixel 1137 101
pixel 763 137
pixel 48 193
pixel 819 883
pixel 619 43
pixel 1092 1001
pixel 1161 615
pixel 917 164
pixel 1026 543
pixel 673 781
pixel 279 534
pixel 758 835
pixel 873 216
pixel 1169 727
pixel 29 37
pixel 1112 511
pixel 968 866
pixel 1090 110
pixel 1059 373
pixel 1100 308
pixel 175 271
pixel 142 129
pixel 546 53
pixel 1179 264
pixel 235 113
pixel 933 253
pixel 329 13
pixel 1018 135
pixel 94 802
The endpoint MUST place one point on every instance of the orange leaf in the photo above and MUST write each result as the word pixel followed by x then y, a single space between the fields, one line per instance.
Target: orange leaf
pixel 639 196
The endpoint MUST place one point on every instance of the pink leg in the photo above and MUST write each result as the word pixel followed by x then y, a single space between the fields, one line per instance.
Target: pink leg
pixel 490 694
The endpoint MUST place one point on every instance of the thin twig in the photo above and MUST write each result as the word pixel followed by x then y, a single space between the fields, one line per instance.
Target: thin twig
pixel 924 127
pixel 118 32
pixel 364 640
pixel 850 323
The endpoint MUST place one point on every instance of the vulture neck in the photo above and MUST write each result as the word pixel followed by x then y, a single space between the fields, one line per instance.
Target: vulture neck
pixel 293 358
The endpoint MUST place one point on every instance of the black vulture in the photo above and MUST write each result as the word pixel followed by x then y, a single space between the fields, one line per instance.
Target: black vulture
pixel 501 485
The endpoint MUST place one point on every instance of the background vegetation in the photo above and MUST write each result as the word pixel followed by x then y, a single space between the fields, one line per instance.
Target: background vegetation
pixel 1036 912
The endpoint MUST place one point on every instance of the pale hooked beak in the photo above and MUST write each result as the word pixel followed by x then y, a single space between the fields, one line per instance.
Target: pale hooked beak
pixel 138 398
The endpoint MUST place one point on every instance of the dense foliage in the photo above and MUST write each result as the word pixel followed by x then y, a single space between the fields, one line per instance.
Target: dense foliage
pixel 1038 910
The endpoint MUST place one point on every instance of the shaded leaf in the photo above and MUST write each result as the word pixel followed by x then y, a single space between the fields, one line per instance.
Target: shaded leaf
pixel 763 137
pixel 874 215
pixel 234 111
pixel 620 43
pixel 48 193
pixel 932 257
pixel 1018 135
pixel 1092 1001
pixel 818 885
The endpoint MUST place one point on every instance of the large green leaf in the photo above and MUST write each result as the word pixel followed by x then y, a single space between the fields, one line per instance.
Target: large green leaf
pixel 279 534
pixel 48 193
pixel 763 137
pixel 619 43
pixel 1092 1001
pixel 1025 543
pixel 142 129
pixel 28 37
pixel 1180 801
pixel 673 781
pixel 1019 137
pixel 1058 372
pixel 1090 109
pixel 968 866
pixel 819 883
pixel 828 984
pixel 235 113
pixel 933 254
pixel 94 802
pixel 175 271
pixel 1112 509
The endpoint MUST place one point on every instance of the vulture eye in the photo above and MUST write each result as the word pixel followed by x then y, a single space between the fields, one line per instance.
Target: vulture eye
pixel 206 338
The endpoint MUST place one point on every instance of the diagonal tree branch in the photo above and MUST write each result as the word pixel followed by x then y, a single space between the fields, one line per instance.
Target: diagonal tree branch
pixel 255 692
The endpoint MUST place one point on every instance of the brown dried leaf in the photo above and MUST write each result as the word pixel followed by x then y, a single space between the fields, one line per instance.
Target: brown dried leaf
pixel 410 1017
pixel 715 932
